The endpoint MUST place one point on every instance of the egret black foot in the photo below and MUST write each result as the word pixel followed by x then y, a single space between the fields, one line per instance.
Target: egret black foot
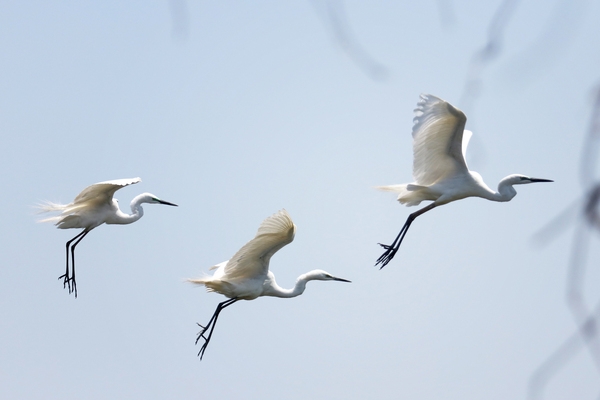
pixel 387 256
pixel 201 333
pixel 201 352
pixel 69 283
pixel 65 280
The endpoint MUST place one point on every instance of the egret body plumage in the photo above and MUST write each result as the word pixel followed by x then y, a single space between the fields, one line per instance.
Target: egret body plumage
pixel 439 168
pixel 246 275
pixel 92 207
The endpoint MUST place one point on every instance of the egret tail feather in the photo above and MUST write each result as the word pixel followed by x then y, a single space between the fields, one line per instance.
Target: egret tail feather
pixel 409 194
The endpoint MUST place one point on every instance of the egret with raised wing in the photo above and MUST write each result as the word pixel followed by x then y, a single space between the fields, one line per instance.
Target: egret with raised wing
pixel 439 168
pixel 92 207
pixel 246 275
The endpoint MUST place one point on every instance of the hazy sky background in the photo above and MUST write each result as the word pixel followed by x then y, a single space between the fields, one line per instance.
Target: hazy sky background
pixel 244 108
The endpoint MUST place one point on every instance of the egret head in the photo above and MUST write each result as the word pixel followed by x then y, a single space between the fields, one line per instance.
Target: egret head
pixel 152 199
pixel 517 179
pixel 320 275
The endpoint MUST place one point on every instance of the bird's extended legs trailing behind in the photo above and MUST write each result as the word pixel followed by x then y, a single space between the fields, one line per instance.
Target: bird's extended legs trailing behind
pixel 392 249
pixel 211 324
pixel 69 275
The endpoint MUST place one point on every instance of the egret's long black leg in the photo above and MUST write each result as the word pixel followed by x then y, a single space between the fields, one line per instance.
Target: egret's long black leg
pixel 73 262
pixel 211 324
pixel 392 249
pixel 67 275
pixel 69 278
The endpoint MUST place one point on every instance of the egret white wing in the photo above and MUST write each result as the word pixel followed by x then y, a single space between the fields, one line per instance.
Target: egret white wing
pixel 102 192
pixel 253 258
pixel 437 140
pixel 465 143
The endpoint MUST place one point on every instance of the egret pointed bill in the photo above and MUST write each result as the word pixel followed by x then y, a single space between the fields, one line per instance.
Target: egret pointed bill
pixel 534 180
pixel 341 280
pixel 166 203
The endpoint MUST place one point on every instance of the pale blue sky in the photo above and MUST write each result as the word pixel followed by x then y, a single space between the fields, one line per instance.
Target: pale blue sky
pixel 256 109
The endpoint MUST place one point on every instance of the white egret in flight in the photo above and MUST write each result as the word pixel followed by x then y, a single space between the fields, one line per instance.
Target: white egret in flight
pixel 246 275
pixel 92 207
pixel 439 167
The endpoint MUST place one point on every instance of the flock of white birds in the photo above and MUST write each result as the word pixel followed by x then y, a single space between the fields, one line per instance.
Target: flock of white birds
pixel 439 169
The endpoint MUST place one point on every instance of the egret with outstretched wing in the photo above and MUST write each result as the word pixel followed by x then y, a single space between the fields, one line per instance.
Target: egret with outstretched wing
pixel 92 207
pixel 246 275
pixel 439 167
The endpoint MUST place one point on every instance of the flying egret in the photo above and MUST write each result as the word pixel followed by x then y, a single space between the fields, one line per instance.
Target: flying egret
pixel 92 207
pixel 246 275
pixel 439 167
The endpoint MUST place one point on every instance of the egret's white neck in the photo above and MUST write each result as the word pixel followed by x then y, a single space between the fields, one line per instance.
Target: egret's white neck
pixel 505 192
pixel 137 212
pixel 276 291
